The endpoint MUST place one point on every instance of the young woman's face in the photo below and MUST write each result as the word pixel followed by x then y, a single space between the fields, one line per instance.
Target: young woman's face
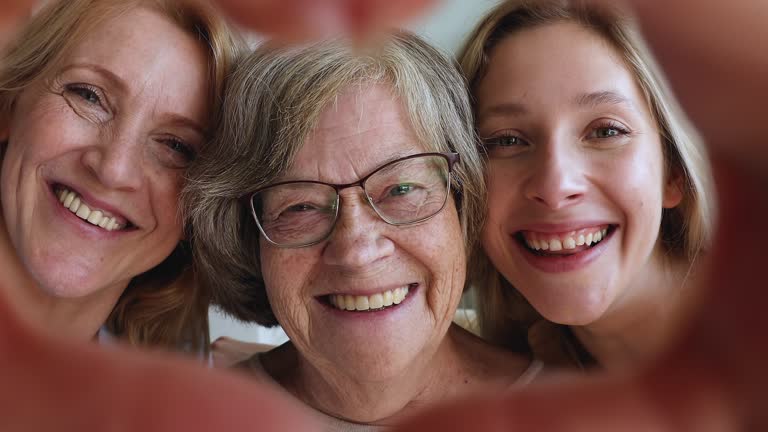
pixel 96 155
pixel 577 178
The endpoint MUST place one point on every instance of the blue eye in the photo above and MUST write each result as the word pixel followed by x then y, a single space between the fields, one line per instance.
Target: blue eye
pixel 85 92
pixel 608 130
pixel 504 141
pixel 300 208
pixel 179 147
pixel 401 189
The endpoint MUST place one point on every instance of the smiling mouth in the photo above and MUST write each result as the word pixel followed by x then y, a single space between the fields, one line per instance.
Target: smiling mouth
pixel 372 303
pixel 73 202
pixel 565 244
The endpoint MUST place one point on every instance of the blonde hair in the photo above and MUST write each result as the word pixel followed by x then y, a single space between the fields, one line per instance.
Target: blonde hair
pixel 271 106
pixel 686 230
pixel 158 307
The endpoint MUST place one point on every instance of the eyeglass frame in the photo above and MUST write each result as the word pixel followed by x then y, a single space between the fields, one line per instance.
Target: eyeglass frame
pixel 451 157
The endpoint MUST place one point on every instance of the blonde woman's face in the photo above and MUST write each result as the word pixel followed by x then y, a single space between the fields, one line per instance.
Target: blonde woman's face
pixel 576 176
pixel 96 156
pixel 400 285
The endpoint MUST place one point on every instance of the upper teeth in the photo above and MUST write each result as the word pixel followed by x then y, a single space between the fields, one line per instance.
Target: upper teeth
pixel 567 241
pixel 73 202
pixel 375 301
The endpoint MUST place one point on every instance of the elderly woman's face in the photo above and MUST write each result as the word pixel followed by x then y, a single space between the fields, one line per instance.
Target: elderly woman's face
pixel 365 260
pixel 95 156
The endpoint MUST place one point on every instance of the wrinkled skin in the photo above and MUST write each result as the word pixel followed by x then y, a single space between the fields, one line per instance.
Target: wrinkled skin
pixel 712 379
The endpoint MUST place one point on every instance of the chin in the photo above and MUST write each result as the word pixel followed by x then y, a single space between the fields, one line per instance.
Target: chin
pixel 572 310
pixel 66 284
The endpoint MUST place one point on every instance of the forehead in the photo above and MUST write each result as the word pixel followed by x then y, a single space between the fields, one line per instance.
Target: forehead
pixel 361 129
pixel 554 63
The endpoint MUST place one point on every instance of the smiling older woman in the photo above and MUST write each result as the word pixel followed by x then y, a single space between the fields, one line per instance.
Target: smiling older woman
pixel 103 104
pixel 343 209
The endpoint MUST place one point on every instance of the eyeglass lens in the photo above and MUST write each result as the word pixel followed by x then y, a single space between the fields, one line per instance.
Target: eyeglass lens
pixel 404 192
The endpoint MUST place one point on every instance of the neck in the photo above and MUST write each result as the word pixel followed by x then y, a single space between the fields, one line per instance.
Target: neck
pixel 640 324
pixel 78 319
pixel 460 364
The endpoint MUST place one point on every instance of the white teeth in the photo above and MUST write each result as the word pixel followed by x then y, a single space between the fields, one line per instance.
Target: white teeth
pixel 373 302
pixel 349 302
pixel 75 205
pixel 361 303
pixel 376 301
pixel 71 201
pixel 83 211
pixel 95 217
pixel 388 298
pixel 569 243
pixel 68 198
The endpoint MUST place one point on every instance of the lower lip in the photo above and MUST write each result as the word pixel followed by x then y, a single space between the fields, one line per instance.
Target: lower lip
pixel 371 314
pixel 82 226
pixel 565 263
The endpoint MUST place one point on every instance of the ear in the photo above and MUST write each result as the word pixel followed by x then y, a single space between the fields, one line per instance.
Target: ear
pixel 673 190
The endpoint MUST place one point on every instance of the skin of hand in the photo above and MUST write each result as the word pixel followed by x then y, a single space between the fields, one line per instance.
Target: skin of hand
pixel 302 19
pixel 227 352
pixel 712 379
pixel 51 384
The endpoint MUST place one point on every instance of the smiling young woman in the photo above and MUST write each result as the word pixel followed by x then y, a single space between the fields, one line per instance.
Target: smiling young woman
pixel 599 199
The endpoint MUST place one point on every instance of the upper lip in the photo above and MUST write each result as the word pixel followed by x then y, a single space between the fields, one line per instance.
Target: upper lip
pixel 96 203
pixel 563 227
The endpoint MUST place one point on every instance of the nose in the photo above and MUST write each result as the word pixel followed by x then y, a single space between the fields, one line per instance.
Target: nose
pixel 357 239
pixel 117 160
pixel 556 178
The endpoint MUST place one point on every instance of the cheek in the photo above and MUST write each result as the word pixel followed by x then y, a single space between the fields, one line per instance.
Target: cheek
pixel 164 189
pixel 284 276
pixel 445 258
pixel 500 192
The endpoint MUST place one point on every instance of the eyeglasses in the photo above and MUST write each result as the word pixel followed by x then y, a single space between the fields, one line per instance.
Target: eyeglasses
pixel 405 191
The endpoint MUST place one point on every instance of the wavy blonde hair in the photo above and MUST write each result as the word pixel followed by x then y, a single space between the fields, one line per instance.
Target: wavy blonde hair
pixel 164 306
pixel 686 230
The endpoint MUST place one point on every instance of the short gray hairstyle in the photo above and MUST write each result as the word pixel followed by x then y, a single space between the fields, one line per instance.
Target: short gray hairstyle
pixel 272 104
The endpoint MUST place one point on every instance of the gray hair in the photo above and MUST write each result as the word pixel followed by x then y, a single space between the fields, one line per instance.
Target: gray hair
pixel 271 105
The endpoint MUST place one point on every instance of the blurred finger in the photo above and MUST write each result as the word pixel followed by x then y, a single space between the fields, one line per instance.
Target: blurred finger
pixel 306 19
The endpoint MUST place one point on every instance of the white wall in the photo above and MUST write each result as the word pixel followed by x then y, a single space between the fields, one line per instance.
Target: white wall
pixel 445 27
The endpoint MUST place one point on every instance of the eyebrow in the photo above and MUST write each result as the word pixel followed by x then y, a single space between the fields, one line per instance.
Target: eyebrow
pixel 106 73
pixel 504 110
pixel 186 122
pixel 608 97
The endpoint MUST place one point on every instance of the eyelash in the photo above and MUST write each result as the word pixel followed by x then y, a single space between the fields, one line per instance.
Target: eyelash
pixel 495 141
pixel 79 89
pixel 611 124
pixel 179 146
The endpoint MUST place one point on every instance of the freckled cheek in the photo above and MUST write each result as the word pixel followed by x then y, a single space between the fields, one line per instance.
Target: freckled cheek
pixel 286 278
pixel 446 263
